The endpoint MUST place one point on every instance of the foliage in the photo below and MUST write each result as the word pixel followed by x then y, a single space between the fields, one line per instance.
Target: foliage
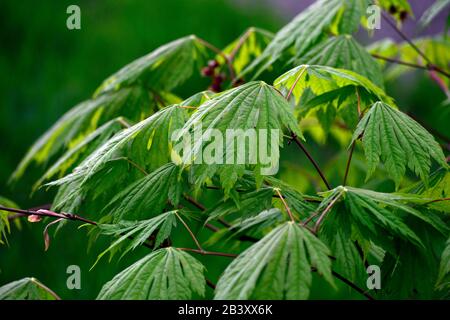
pixel 118 156
pixel 26 289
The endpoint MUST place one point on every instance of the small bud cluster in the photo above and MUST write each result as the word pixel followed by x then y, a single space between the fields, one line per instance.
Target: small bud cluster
pixel 211 71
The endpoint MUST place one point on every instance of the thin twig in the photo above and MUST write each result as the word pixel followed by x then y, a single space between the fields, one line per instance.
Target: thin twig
pixel 437 200
pixel 430 66
pixel 311 159
pixel 222 54
pixel 209 253
pixel 405 37
pixel 210 284
pixel 352 285
pixel 194 202
pixel 197 243
pixel 48 213
pixel 291 216
pixel 240 43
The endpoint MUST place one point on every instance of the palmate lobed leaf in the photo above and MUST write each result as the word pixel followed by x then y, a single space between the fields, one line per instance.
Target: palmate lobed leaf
pixel 85 147
pixel 145 145
pixel 133 103
pixel 391 136
pixel 134 92
pixel 253 106
pixel 161 275
pixel 344 52
pixel 161 70
pixel 307 29
pixel 276 267
pixel 138 231
pixel 326 84
pixel 147 196
pixel 26 289
pixel 374 213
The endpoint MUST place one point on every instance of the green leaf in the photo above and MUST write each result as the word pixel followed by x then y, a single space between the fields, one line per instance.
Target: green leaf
pixel 304 31
pixel 5 227
pixel 75 155
pixel 444 269
pixel 398 141
pixel 133 103
pixel 161 70
pixel 26 289
pixel 264 220
pixel 161 275
pixel 247 48
pixel 374 213
pixel 276 267
pixel 144 146
pixel 346 53
pixel 254 107
pixel 433 11
pixel 147 196
pixel 139 231
pixel 438 187
pixel 248 204
pixel 327 84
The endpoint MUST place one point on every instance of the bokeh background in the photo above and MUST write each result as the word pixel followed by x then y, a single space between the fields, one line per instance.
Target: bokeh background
pixel 45 69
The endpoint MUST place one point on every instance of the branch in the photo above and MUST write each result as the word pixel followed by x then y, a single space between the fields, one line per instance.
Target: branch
pixel 430 66
pixel 352 285
pixel 48 213
pixel 190 232
pixel 311 159
pixel 209 253
pixel 285 204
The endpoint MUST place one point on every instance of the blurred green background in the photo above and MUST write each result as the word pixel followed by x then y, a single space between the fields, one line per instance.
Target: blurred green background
pixel 45 69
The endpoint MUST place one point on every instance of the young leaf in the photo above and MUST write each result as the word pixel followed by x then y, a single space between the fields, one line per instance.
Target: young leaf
pixel 161 275
pixel 139 231
pixel 394 138
pixel 27 289
pixel 276 267
pixel 327 84
pixel 344 52
pixel 246 48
